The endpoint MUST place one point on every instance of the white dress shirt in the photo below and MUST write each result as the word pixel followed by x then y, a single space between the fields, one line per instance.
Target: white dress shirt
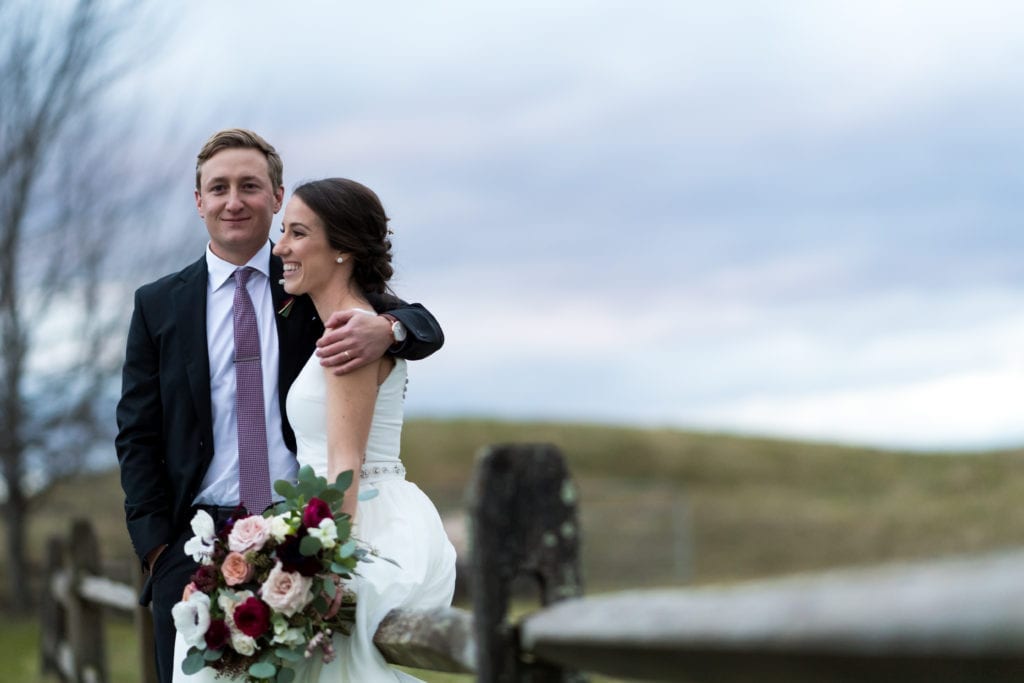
pixel 220 484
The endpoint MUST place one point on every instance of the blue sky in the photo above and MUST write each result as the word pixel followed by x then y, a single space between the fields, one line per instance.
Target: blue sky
pixel 795 218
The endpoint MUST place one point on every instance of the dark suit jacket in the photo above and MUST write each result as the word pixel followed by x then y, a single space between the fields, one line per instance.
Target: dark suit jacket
pixel 165 426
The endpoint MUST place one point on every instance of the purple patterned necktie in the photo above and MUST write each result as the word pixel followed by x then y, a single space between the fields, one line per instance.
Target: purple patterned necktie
pixel 253 468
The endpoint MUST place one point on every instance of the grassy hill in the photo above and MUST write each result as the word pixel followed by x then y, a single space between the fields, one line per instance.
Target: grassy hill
pixel 667 506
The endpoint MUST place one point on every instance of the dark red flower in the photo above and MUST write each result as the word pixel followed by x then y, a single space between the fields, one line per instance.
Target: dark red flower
pixel 217 635
pixel 206 578
pixel 252 617
pixel 316 511
pixel 294 561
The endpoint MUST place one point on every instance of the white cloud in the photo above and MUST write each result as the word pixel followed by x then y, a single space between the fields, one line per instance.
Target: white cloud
pixel 956 410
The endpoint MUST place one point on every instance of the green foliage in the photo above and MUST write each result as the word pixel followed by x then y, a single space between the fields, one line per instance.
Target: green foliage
pixel 263 670
pixel 310 546
pixel 194 663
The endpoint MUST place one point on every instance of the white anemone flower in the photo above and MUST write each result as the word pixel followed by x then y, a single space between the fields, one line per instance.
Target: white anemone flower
pixel 200 546
pixel 192 618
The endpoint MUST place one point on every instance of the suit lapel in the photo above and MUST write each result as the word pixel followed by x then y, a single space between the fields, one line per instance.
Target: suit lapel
pixel 190 312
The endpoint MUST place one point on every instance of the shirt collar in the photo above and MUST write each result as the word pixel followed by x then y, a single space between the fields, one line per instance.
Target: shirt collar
pixel 221 271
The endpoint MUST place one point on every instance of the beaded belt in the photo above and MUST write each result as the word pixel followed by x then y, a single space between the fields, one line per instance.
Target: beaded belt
pixel 372 472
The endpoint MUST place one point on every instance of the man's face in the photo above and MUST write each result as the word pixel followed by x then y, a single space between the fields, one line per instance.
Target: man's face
pixel 237 201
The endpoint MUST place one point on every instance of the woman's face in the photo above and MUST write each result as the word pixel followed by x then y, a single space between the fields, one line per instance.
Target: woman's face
pixel 310 263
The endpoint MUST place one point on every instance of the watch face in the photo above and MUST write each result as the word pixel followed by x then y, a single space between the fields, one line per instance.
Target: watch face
pixel 398 329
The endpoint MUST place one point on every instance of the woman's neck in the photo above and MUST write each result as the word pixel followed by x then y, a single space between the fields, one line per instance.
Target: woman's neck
pixel 333 299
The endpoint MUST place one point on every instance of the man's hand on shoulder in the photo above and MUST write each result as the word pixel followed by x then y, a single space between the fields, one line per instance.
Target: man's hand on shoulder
pixel 352 339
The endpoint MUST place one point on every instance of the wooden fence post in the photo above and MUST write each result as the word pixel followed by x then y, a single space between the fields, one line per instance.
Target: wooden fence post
pixel 85 617
pixel 52 615
pixel 523 523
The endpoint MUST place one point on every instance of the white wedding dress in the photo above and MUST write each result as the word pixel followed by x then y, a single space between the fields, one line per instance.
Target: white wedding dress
pixel 401 523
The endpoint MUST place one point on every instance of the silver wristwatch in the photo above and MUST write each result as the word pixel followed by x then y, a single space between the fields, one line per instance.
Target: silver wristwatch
pixel 397 328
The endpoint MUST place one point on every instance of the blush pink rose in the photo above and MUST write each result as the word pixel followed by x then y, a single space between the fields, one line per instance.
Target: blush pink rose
pixel 235 569
pixel 249 533
pixel 286 592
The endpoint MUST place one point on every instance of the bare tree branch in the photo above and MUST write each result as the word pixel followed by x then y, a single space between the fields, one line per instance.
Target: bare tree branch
pixel 63 201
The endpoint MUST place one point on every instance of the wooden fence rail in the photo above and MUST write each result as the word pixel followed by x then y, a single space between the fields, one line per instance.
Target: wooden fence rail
pixel 955 621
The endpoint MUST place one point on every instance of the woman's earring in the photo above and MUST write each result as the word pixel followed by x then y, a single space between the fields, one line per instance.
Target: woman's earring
pixel 340 259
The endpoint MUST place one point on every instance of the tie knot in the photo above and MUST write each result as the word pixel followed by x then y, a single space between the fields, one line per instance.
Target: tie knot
pixel 242 276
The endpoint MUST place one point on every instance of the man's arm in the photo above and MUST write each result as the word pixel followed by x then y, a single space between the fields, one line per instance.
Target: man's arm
pixel 139 442
pixel 353 339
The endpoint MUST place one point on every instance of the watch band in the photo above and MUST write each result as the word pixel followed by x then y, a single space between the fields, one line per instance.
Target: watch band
pixel 394 321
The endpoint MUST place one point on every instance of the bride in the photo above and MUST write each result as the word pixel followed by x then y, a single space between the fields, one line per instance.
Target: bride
pixel 335 248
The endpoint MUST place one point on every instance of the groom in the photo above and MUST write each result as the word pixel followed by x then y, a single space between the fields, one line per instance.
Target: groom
pixel 186 429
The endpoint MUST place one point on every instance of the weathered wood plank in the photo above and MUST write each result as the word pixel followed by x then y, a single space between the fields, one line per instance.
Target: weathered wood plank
pixel 954 621
pixel 438 639
pixel 107 592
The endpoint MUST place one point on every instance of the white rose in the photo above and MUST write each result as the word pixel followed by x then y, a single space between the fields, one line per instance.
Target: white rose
pixel 279 527
pixel 242 644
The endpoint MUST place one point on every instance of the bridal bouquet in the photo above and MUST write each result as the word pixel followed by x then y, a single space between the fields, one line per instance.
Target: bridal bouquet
pixel 271 589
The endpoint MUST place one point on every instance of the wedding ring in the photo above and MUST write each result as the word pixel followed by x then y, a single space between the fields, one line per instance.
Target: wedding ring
pixel 348 356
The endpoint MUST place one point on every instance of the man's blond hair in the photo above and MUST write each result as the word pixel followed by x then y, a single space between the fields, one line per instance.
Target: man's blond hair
pixel 240 138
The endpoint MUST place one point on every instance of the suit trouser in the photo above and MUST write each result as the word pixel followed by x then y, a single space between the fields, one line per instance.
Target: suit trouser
pixel 171 574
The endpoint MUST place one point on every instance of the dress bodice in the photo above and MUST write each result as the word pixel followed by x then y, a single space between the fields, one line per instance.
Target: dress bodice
pixel 307 413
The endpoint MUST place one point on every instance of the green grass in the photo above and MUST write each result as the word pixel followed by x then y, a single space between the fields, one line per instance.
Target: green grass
pixel 664 507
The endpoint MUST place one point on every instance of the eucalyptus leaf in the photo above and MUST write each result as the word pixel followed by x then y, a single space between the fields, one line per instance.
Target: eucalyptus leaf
pixel 331 495
pixel 285 488
pixel 310 545
pixel 368 494
pixel 262 670
pixel 308 489
pixel 319 604
pixel 289 655
pixel 212 655
pixel 347 549
pixel 307 475
pixel 285 675
pixel 330 589
pixel 193 663
pixel 343 523
pixel 344 480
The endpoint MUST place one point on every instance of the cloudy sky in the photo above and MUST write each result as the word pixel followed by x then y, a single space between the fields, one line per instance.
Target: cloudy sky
pixel 790 218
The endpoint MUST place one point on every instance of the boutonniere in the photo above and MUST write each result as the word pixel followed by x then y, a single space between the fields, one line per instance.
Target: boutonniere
pixel 287 307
